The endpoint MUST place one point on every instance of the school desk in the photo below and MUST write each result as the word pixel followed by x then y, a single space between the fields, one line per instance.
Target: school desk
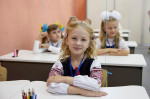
pixel 10 90
pixel 96 30
pixel 125 34
pixel 132 45
pixel 126 70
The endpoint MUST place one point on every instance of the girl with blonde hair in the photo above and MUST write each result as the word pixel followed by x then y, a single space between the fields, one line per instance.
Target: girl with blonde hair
pixel 77 72
pixel 110 41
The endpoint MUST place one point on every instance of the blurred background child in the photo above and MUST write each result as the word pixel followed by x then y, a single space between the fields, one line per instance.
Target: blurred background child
pixel 110 41
pixel 49 41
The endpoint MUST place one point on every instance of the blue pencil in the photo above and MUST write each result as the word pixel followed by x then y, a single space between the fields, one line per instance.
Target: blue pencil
pixel 35 96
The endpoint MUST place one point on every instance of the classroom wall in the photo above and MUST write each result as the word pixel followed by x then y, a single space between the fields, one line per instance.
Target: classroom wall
pixel 146 23
pixel 21 19
pixel 131 17
pixel 80 9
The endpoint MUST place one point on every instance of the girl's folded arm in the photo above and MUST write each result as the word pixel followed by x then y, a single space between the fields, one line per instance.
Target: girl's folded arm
pixel 36 48
pixel 55 50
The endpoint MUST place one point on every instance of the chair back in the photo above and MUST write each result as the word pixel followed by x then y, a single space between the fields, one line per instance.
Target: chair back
pixel 3 73
pixel 104 78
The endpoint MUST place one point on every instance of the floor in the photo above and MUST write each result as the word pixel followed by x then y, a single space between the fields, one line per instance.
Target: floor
pixel 146 71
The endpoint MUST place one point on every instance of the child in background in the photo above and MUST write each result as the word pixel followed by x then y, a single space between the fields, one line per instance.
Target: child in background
pixel 50 41
pixel 112 43
pixel 77 72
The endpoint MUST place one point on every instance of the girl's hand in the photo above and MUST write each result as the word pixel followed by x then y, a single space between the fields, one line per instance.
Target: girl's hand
pixel 43 37
pixel 115 50
pixel 43 34
pixel 43 46
pixel 56 78
pixel 88 93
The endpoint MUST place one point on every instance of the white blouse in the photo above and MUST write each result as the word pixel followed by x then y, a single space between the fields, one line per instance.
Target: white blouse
pixel 122 43
pixel 85 82
pixel 54 47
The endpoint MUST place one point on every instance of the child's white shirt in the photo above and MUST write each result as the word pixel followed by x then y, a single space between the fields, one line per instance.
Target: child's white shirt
pixel 54 47
pixel 89 83
pixel 122 43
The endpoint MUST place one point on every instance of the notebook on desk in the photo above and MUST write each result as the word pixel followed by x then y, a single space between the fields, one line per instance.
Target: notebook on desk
pixel 13 90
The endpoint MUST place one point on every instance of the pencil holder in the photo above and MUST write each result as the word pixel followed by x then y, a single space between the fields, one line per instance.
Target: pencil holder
pixel 16 53
pixel 29 94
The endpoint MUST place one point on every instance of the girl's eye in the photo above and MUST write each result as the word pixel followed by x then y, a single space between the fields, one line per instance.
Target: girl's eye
pixel 83 39
pixel 74 38
pixel 109 28
pixel 54 32
pixel 58 31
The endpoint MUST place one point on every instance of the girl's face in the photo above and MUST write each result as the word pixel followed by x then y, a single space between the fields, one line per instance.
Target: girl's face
pixel 112 29
pixel 78 41
pixel 55 35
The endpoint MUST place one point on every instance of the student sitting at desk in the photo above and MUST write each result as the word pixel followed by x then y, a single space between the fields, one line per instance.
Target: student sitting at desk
pixel 110 41
pixel 77 72
pixel 49 41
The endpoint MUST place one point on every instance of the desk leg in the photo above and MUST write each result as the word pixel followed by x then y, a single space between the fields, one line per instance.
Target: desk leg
pixel 27 71
pixel 132 49
pixel 122 76
pixel 125 38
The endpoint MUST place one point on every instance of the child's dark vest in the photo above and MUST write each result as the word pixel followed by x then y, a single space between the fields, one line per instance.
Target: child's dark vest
pixel 84 70
pixel 109 46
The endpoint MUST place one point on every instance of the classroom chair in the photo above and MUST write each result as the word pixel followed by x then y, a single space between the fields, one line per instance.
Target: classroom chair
pixel 3 73
pixel 104 78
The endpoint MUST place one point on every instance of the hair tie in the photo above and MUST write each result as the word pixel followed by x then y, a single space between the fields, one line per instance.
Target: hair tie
pixel 43 28
pixel 106 14
pixel 61 26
